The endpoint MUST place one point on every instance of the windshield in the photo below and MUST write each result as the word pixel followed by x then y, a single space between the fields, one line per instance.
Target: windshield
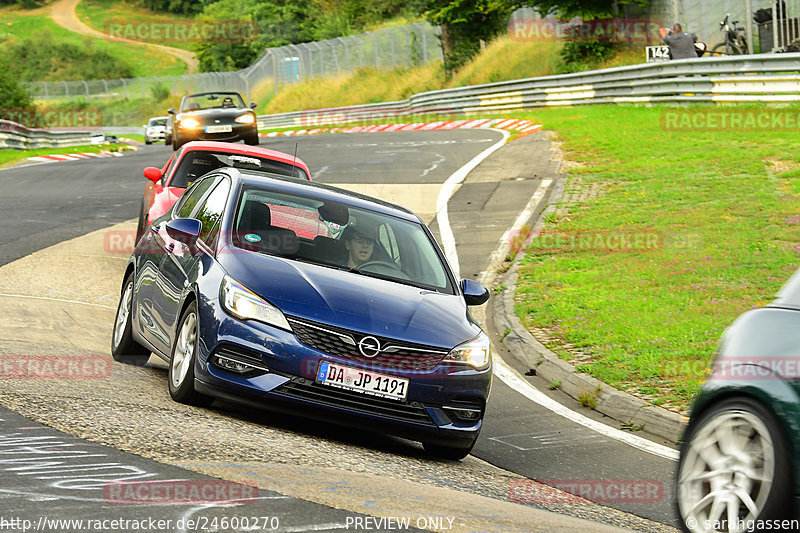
pixel 199 162
pixel 198 102
pixel 338 236
pixel 157 122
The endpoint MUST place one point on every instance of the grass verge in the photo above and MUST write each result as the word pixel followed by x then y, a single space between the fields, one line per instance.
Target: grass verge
pixel 503 59
pixel 10 157
pixel 17 24
pixel 124 17
pixel 710 218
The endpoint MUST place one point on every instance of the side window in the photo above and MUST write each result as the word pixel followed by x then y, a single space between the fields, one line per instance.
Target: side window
pixel 211 211
pixel 387 238
pixel 193 195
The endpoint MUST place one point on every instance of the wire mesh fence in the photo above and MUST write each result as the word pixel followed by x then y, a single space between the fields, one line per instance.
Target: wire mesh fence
pixel 400 46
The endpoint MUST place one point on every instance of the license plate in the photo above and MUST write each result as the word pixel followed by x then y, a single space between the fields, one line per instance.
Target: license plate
pixel 363 381
pixel 219 129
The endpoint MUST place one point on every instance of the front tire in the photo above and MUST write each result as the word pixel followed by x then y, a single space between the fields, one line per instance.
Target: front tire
pixel 252 141
pixel 123 347
pixel 734 464
pixel 183 359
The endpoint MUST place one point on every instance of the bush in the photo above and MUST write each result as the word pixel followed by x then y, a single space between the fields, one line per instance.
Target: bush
pixel 12 94
pixel 42 57
pixel 160 91
pixel 579 53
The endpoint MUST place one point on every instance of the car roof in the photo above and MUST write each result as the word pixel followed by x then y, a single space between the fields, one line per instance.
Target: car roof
pixel 157 118
pixel 244 149
pixel 319 191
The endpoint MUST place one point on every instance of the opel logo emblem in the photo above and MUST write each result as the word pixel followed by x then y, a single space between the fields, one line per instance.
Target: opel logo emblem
pixel 369 346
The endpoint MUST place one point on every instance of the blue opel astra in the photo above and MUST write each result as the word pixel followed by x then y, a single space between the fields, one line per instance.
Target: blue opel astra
pixel 311 300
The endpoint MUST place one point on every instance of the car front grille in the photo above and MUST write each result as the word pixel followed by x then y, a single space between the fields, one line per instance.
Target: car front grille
pixel 393 354
pixel 308 390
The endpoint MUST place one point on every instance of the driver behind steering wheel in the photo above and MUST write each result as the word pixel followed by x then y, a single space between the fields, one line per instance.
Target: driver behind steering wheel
pixel 359 240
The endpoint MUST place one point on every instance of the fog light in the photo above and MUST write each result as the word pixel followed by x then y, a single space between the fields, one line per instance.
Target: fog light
pixel 237 367
pixel 461 414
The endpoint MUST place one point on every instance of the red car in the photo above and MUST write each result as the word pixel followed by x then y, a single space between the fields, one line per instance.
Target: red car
pixel 197 158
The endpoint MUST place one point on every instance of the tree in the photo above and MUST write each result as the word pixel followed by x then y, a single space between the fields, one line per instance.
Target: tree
pixel 13 96
pixel 464 23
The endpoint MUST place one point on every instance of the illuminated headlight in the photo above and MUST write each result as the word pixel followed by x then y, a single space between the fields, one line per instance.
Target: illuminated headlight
pixel 477 353
pixel 189 123
pixel 247 305
pixel 246 119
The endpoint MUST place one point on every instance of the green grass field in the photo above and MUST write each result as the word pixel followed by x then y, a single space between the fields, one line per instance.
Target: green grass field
pixel 710 225
pixel 107 16
pixel 17 24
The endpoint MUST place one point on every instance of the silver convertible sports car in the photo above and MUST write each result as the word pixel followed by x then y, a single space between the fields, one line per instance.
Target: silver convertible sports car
pixel 213 116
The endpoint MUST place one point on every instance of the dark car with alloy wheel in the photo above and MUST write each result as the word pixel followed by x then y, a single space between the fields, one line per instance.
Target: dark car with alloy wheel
pixel 740 460
pixel 212 116
pixel 309 299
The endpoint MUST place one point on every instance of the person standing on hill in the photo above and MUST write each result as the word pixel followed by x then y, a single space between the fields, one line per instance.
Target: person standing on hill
pixel 681 45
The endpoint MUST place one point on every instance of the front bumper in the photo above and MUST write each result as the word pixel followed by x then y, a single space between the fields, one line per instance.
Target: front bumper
pixel 238 132
pixel 426 415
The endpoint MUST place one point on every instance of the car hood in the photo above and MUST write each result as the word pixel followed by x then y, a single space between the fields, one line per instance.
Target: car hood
pixel 215 114
pixel 353 301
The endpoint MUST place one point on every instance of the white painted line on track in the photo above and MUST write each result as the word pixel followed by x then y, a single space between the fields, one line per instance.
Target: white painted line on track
pixel 447 190
pixel 504 246
pixel 3 295
pixel 508 376
pixel 505 373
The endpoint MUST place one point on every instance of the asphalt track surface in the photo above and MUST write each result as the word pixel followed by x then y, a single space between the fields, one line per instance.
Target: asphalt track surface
pixel 45 204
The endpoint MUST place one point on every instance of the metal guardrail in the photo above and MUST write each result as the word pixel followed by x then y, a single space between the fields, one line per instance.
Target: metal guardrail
pixel 735 79
pixel 17 136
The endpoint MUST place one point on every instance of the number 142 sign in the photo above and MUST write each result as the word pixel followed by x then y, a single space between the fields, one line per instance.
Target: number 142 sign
pixel 657 54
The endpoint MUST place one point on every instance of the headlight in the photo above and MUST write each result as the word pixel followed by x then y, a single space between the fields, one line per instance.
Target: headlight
pixel 477 353
pixel 189 123
pixel 246 119
pixel 247 305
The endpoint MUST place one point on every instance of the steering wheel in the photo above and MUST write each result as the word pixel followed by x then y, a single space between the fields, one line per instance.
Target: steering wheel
pixel 389 264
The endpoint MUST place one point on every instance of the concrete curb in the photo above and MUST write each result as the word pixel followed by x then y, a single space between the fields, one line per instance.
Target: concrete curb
pixel 528 351
pixel 526 127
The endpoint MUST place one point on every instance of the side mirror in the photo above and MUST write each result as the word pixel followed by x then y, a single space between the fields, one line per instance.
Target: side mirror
pixel 252 105
pixel 185 230
pixel 474 292
pixel 171 111
pixel 152 173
